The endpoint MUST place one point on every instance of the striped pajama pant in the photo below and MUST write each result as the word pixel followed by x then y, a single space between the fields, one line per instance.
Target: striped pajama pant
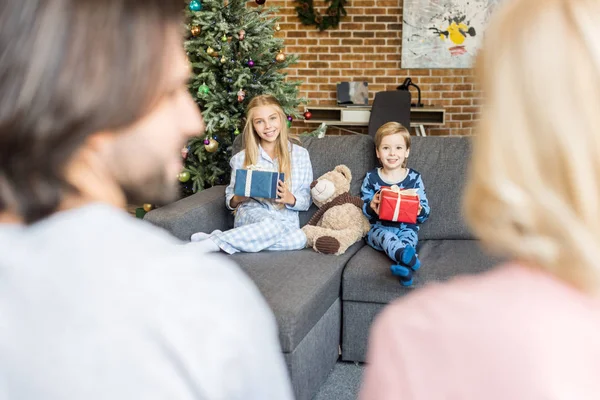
pixel 258 229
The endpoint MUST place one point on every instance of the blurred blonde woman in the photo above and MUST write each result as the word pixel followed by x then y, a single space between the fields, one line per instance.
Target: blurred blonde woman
pixel 529 329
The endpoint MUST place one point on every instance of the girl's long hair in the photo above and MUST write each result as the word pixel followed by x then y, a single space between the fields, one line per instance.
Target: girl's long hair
pixel 252 140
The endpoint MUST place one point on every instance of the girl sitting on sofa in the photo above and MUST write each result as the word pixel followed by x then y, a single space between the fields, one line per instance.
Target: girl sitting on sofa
pixel 266 224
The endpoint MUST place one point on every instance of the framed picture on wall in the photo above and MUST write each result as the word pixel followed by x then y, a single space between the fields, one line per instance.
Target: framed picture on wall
pixel 443 33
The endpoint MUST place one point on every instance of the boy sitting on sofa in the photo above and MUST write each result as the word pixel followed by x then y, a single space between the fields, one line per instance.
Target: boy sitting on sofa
pixel 397 239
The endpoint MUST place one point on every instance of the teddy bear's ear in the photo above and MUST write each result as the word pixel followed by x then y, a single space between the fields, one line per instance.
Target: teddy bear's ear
pixel 342 169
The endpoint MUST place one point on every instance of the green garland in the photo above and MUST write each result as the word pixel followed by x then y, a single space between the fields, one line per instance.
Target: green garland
pixel 308 15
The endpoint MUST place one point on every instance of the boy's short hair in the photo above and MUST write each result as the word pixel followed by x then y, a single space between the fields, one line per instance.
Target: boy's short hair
pixel 392 128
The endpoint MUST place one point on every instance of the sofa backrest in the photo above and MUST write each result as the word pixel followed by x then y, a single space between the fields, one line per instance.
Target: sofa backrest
pixel 442 162
pixel 357 152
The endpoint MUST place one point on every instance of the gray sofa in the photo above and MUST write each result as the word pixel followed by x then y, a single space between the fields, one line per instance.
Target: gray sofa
pixel 325 304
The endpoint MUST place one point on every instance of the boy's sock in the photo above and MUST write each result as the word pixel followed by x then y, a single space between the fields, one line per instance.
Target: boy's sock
pixel 404 273
pixel 407 256
pixel 200 236
pixel 406 281
pixel 416 263
pixel 401 271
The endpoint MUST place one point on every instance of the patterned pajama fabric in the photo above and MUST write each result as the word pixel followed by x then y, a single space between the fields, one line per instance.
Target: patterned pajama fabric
pixel 389 236
pixel 262 224
pixel 389 239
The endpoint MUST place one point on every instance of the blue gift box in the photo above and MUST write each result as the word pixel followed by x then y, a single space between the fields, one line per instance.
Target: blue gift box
pixel 253 183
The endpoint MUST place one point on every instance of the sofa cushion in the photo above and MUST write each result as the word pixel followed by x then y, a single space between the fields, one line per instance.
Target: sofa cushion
pixel 367 276
pixel 442 161
pixel 300 286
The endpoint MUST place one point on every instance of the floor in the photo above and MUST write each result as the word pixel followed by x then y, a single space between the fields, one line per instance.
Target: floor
pixel 343 382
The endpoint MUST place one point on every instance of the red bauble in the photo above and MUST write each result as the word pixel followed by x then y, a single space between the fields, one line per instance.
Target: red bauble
pixel 307 115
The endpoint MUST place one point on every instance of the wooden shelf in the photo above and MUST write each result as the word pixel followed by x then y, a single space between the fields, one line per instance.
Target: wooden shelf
pixel 332 115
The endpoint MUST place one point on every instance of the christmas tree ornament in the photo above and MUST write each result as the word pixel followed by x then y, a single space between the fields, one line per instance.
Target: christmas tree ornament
pixel 184 176
pixel 203 89
pixel 289 124
pixel 307 115
pixel 249 67
pixel 212 146
pixel 241 95
pixel 290 118
pixel 223 60
pixel 195 5
pixel 260 2
pixel 280 57
pixel 148 207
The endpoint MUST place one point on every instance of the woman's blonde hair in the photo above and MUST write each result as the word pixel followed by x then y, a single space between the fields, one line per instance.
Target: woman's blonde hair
pixel 393 128
pixel 252 140
pixel 534 181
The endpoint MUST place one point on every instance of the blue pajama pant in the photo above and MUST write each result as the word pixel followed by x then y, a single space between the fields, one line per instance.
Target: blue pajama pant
pixel 391 239
pixel 258 229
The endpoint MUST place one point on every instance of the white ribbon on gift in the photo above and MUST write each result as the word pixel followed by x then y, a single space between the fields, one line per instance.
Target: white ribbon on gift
pixel 405 192
pixel 249 170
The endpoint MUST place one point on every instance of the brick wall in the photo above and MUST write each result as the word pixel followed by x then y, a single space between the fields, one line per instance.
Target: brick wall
pixel 367 47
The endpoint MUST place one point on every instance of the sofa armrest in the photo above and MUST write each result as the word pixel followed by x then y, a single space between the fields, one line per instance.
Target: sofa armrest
pixel 204 211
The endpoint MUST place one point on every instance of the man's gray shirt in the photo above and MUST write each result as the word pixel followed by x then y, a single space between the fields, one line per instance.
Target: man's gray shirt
pixel 95 304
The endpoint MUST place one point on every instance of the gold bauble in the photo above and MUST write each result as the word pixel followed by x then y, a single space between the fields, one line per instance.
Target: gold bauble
pixel 210 51
pixel 148 207
pixel 195 31
pixel 277 28
pixel 223 60
pixel 280 57
pixel 212 146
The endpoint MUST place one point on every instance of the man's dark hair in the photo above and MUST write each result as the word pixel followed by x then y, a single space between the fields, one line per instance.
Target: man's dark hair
pixel 68 69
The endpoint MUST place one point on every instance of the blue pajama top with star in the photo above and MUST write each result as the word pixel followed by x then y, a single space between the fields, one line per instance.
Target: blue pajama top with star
pixel 263 224
pixel 388 236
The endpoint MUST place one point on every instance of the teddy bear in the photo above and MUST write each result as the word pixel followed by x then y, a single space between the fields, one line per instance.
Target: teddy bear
pixel 339 222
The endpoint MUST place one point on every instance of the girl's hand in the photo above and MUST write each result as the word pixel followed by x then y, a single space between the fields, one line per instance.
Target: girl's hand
pixel 237 200
pixel 284 196
pixel 375 202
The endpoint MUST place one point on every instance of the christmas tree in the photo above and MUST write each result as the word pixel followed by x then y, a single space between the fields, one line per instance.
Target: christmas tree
pixel 234 57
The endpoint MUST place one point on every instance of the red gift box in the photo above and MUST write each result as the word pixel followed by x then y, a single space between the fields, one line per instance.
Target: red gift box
pixel 399 205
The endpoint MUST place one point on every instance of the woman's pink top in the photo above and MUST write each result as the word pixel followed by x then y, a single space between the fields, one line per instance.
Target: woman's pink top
pixel 511 333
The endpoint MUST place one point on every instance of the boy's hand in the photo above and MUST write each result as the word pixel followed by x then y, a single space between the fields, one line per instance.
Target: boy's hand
pixel 375 202
pixel 284 196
